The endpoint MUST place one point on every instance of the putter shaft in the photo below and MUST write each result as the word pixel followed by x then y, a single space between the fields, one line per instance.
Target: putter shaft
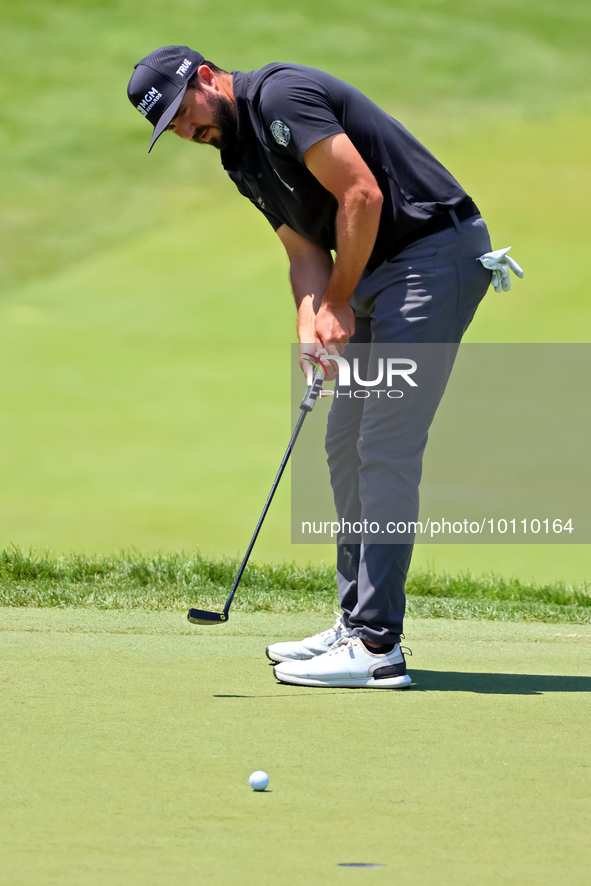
pixel 199 616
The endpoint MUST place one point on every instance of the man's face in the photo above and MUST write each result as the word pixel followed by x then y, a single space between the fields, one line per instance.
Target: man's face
pixel 206 117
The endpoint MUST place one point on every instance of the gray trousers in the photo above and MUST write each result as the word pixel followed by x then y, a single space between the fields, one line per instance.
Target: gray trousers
pixel 427 294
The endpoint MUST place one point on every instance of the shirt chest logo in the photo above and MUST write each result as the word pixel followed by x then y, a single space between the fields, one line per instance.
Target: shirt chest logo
pixel 281 133
pixel 289 187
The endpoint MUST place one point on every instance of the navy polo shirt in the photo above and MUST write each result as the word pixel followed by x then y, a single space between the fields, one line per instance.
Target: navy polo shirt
pixel 282 110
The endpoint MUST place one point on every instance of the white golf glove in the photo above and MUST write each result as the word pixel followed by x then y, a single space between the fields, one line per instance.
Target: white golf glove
pixel 499 263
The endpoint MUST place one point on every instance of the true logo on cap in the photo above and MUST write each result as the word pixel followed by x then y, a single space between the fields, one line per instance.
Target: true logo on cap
pixel 148 101
pixel 182 69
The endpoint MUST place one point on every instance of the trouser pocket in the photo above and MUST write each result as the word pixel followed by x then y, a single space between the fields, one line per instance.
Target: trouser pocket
pixel 473 281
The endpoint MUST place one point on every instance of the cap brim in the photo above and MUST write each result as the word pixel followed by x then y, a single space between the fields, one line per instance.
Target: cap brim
pixel 167 117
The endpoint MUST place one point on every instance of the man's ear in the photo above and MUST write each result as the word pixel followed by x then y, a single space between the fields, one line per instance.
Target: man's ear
pixel 206 75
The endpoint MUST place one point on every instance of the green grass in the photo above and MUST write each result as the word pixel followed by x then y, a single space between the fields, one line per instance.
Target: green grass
pixel 141 295
pixel 177 581
pixel 128 739
pixel 75 174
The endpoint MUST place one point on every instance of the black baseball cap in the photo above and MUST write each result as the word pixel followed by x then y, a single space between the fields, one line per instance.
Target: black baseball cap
pixel 159 82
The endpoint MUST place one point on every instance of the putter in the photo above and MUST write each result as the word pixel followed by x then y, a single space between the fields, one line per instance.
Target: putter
pixel 200 616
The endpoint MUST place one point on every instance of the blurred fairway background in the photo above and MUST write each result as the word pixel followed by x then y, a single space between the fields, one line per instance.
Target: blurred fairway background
pixel 145 316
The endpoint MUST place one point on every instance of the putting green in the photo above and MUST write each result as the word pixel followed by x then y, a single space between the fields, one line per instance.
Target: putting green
pixel 128 740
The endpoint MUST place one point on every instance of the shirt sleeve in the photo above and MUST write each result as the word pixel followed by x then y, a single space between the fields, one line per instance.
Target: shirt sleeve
pixel 296 113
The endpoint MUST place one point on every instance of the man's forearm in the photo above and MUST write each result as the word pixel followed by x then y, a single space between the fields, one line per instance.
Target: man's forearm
pixel 357 223
pixel 309 277
pixel 339 168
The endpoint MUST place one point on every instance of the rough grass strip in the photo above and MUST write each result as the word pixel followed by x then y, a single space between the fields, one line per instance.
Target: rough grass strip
pixel 178 580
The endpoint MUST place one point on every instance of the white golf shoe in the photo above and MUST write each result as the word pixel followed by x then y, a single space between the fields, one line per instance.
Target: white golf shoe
pixel 302 650
pixel 348 663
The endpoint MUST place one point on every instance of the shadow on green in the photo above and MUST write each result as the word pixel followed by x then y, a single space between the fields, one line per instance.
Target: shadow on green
pixel 496 684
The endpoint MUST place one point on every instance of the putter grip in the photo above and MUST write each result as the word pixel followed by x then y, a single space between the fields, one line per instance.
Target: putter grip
pixel 312 392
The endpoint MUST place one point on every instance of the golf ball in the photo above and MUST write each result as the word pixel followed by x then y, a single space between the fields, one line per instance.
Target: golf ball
pixel 258 780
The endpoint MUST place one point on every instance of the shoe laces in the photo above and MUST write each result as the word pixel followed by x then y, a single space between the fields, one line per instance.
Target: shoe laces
pixel 345 644
pixel 337 628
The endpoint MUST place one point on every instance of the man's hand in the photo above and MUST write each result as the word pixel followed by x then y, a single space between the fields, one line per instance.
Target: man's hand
pixel 334 325
pixel 319 353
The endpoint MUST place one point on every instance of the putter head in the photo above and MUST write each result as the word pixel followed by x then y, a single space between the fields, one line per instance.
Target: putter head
pixel 201 617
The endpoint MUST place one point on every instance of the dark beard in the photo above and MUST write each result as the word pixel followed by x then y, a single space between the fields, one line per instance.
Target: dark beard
pixel 224 118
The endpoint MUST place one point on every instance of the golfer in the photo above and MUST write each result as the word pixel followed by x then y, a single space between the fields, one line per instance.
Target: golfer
pixel 332 172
